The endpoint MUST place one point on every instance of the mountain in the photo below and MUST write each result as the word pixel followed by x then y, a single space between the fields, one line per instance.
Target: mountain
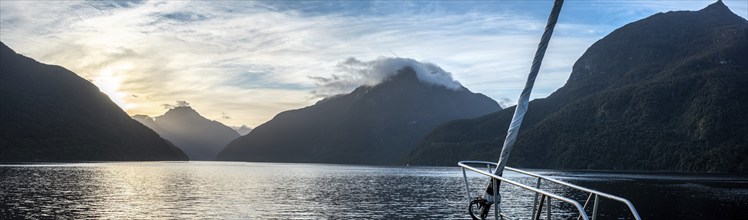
pixel 242 130
pixel 371 125
pixel 48 113
pixel 200 138
pixel 668 92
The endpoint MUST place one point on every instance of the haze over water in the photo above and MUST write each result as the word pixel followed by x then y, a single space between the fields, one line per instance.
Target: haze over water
pixel 190 190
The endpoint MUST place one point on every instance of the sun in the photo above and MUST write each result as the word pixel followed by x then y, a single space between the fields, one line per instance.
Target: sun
pixel 109 82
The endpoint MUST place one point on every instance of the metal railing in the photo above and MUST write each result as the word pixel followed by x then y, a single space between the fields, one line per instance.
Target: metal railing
pixel 542 194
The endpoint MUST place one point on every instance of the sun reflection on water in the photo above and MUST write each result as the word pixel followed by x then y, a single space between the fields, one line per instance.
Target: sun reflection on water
pixel 227 190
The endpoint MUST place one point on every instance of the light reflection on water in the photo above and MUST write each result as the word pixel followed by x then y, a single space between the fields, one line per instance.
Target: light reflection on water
pixel 247 190
pixel 229 190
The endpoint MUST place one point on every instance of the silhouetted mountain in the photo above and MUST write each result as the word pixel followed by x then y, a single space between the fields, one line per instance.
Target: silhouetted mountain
pixel 242 130
pixel 371 125
pixel 51 114
pixel 200 138
pixel 669 92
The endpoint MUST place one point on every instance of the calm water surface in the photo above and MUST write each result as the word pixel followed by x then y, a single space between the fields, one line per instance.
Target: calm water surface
pixel 189 190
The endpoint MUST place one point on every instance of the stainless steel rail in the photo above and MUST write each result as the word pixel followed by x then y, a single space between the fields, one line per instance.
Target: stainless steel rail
pixel 584 189
pixel 544 195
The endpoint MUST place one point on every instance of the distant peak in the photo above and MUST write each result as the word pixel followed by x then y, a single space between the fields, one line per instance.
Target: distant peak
pixel 354 73
pixel 719 12
pixel 142 116
pixel 242 130
pixel 717 6
pixel 180 113
pixel 182 110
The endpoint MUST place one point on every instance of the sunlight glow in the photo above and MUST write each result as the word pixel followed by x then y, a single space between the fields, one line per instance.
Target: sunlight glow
pixel 110 84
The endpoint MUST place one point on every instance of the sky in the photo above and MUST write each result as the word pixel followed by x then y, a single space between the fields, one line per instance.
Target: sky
pixel 242 62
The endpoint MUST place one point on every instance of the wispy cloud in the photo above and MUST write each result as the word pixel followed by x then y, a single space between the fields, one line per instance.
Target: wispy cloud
pixel 251 60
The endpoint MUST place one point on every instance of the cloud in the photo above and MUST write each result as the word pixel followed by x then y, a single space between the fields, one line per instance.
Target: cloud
pixel 183 104
pixel 179 104
pixel 505 102
pixel 353 73
pixel 253 59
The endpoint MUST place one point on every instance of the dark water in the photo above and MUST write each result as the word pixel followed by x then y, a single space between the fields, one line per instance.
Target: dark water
pixel 190 190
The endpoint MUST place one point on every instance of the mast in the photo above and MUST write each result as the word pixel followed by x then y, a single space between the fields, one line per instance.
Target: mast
pixel 485 202
pixel 524 98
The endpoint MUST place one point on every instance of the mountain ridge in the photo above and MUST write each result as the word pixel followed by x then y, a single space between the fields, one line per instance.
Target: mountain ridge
pixel 51 114
pixel 661 93
pixel 200 138
pixel 370 125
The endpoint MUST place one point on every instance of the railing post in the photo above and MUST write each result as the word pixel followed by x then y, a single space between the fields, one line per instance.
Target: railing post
pixel 594 207
pixel 535 202
pixel 585 205
pixel 549 208
pixel 540 208
pixel 495 199
pixel 467 187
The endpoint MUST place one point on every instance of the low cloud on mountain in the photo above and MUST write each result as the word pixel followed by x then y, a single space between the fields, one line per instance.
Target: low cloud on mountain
pixel 353 73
